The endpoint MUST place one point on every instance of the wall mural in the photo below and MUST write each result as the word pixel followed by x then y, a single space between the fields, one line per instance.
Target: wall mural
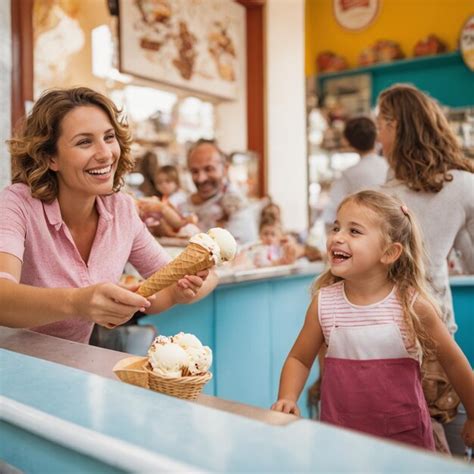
pixel 192 44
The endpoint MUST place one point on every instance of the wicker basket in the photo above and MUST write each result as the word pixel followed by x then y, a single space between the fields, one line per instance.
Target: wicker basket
pixel 188 387
pixel 131 370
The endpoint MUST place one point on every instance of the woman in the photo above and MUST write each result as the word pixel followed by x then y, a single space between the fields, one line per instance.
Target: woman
pixel 431 175
pixel 66 232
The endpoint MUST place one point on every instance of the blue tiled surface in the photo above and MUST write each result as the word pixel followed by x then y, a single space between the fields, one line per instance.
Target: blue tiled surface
pixel 197 435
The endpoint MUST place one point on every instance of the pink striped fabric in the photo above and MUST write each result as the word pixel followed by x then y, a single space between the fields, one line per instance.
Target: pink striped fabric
pixel 336 310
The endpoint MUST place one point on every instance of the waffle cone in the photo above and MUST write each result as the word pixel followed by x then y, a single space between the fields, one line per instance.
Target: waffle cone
pixel 193 259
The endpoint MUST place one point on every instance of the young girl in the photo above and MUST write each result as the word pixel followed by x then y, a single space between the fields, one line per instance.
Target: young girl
pixel 167 184
pixel 374 314
pixel 276 248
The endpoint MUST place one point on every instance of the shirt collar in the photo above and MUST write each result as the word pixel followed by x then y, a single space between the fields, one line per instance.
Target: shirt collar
pixel 53 212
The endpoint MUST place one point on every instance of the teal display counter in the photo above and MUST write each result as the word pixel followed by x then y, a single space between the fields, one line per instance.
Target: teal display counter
pixel 252 325
pixel 58 419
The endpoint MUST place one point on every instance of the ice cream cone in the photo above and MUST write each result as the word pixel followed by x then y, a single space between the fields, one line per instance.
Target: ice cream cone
pixel 193 259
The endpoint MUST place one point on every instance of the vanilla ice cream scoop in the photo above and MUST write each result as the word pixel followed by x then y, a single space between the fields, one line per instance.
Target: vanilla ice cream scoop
pixel 219 242
pixel 186 340
pixel 225 241
pixel 200 359
pixel 168 360
pixel 158 341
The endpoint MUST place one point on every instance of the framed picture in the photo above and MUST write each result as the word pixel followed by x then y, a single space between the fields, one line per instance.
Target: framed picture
pixel 192 44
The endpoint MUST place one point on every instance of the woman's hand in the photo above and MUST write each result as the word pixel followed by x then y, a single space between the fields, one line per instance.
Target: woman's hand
pixel 286 406
pixel 186 289
pixel 468 433
pixel 107 304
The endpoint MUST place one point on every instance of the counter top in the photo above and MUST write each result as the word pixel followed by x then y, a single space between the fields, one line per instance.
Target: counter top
pixel 99 361
pixel 228 275
pixel 133 429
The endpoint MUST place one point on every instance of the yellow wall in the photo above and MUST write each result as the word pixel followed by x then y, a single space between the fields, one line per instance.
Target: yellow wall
pixel 405 21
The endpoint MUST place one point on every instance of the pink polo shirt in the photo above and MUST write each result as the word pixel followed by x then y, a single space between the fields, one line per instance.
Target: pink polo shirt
pixel 34 232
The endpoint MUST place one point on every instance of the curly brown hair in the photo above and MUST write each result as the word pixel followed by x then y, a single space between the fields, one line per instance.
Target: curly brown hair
pixel 425 147
pixel 35 142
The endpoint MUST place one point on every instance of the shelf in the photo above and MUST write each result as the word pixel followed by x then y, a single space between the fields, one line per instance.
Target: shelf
pixel 436 60
pixel 444 76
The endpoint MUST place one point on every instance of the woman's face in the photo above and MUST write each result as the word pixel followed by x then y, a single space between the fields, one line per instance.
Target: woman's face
pixel 87 153
pixel 386 134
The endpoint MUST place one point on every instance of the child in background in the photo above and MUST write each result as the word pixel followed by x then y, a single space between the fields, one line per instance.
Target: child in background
pixel 166 180
pixel 272 211
pixel 372 310
pixel 276 249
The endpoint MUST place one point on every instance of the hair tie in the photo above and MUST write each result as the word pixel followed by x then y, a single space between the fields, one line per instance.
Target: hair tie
pixel 404 210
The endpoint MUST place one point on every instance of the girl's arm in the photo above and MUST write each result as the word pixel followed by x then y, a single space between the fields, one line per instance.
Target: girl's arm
pixel 24 306
pixel 453 361
pixel 299 361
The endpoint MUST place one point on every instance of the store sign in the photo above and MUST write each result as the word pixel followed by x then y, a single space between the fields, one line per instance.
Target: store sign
pixel 466 43
pixel 355 14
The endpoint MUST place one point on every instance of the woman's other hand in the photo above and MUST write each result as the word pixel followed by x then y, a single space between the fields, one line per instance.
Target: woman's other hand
pixel 186 289
pixel 286 406
pixel 107 304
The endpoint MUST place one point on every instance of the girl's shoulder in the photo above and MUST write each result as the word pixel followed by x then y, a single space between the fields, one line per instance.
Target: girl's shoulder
pixel 332 290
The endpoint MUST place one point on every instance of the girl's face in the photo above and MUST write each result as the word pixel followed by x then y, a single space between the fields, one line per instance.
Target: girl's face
pixel 87 153
pixel 270 235
pixel 355 246
pixel 165 184
pixel 386 134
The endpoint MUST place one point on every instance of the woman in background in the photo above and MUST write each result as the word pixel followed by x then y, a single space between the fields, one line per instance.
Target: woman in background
pixel 432 176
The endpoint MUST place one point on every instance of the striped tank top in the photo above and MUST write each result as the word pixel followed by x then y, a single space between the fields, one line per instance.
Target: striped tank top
pixel 336 310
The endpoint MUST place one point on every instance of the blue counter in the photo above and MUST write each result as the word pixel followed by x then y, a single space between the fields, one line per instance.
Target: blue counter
pixel 252 325
pixel 58 419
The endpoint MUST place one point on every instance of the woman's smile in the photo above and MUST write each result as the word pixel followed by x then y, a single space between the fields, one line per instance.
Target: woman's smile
pixel 103 173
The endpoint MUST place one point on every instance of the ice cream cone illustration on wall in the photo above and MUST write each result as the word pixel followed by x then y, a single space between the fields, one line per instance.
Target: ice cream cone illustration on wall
pixel 203 252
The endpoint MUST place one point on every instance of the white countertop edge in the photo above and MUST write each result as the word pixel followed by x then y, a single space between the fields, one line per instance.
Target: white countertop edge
pixel 109 450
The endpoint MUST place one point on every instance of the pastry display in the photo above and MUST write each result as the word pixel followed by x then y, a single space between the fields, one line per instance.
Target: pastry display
pixel 328 61
pixel 429 45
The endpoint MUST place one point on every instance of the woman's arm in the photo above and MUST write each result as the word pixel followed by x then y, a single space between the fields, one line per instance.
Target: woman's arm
pixel 299 361
pixel 24 306
pixel 453 361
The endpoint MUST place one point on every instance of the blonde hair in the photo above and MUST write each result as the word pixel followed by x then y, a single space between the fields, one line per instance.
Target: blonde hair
pixel 36 140
pixel 425 147
pixel 397 224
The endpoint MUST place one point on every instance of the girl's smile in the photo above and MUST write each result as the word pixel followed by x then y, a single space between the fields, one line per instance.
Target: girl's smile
pixel 355 246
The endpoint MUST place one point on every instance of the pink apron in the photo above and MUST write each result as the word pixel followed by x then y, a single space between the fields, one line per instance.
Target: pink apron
pixel 371 384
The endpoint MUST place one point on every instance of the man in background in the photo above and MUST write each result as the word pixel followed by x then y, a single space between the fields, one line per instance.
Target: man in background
pixel 217 202
pixel 370 172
